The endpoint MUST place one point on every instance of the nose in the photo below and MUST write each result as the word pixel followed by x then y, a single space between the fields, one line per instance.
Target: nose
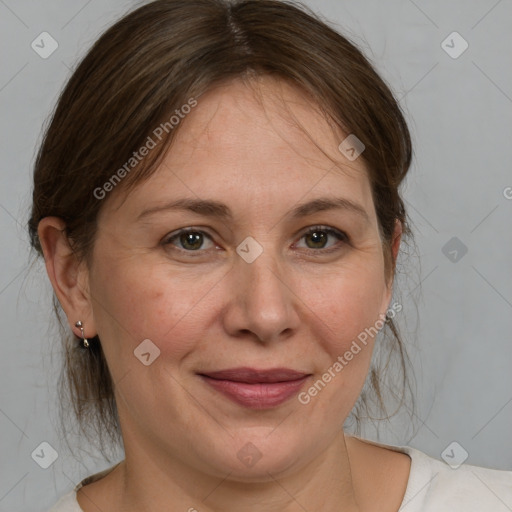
pixel 262 301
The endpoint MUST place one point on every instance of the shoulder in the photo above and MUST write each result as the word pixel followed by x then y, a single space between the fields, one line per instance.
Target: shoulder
pixel 67 503
pixel 435 486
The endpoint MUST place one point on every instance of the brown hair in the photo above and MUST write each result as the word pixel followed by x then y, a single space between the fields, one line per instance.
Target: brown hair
pixel 146 67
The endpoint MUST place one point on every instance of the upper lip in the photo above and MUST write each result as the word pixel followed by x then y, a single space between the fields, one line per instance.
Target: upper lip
pixel 252 375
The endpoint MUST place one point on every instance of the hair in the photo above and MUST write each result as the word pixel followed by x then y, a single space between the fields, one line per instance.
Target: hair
pixel 147 66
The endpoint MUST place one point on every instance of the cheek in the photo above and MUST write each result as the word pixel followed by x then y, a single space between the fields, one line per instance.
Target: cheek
pixel 346 317
pixel 149 301
pixel 346 304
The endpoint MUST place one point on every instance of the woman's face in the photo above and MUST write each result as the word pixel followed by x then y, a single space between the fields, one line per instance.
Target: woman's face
pixel 248 288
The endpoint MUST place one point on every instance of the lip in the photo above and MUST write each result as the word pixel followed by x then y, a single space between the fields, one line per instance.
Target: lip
pixel 256 389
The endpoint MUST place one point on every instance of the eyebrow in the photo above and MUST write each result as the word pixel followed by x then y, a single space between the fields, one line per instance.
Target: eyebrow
pixel 216 209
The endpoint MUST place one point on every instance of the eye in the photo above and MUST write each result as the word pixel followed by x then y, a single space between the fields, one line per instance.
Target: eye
pixel 317 237
pixel 190 240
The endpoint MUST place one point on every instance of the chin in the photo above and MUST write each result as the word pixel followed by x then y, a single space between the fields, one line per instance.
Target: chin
pixel 255 455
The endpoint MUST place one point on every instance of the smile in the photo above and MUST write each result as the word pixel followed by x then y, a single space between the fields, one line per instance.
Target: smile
pixel 256 389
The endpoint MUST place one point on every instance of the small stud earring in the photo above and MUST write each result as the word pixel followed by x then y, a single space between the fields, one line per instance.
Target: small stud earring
pixel 81 327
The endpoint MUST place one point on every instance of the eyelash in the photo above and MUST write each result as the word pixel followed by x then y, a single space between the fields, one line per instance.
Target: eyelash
pixel 342 237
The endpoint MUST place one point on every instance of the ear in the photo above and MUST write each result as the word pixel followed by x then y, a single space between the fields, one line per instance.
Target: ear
pixel 69 277
pixel 395 242
pixel 395 247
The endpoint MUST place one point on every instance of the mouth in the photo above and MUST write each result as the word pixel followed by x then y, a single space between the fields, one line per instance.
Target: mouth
pixel 256 389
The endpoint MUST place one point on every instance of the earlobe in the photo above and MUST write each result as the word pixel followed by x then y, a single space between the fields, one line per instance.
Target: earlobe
pixel 68 276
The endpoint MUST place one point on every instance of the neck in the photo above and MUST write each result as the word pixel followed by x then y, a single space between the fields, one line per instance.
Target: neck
pixel 149 480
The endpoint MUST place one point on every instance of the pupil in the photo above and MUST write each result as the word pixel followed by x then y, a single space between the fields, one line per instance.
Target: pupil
pixel 194 241
pixel 191 240
pixel 318 238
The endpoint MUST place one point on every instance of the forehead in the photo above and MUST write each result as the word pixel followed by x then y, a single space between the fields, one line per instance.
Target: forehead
pixel 244 116
pixel 262 137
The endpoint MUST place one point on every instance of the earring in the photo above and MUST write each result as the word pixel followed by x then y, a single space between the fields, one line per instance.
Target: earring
pixel 81 327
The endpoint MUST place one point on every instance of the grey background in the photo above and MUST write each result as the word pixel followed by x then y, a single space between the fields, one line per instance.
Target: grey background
pixel 460 113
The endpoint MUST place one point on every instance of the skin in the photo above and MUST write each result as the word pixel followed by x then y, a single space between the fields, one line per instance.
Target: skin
pixel 295 306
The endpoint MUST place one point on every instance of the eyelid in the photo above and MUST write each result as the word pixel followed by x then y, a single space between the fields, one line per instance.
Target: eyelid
pixel 191 229
pixel 328 229
pixel 341 235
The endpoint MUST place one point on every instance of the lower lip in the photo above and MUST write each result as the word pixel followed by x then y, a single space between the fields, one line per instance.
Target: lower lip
pixel 257 396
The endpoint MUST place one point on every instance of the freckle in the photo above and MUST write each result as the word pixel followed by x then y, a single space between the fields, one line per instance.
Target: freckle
pixel 158 294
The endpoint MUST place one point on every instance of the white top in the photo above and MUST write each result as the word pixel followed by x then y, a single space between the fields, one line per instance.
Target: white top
pixel 433 486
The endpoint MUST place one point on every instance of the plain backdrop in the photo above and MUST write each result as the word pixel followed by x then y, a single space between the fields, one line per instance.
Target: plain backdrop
pixel 456 290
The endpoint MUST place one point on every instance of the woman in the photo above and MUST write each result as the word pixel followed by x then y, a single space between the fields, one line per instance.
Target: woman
pixel 217 202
